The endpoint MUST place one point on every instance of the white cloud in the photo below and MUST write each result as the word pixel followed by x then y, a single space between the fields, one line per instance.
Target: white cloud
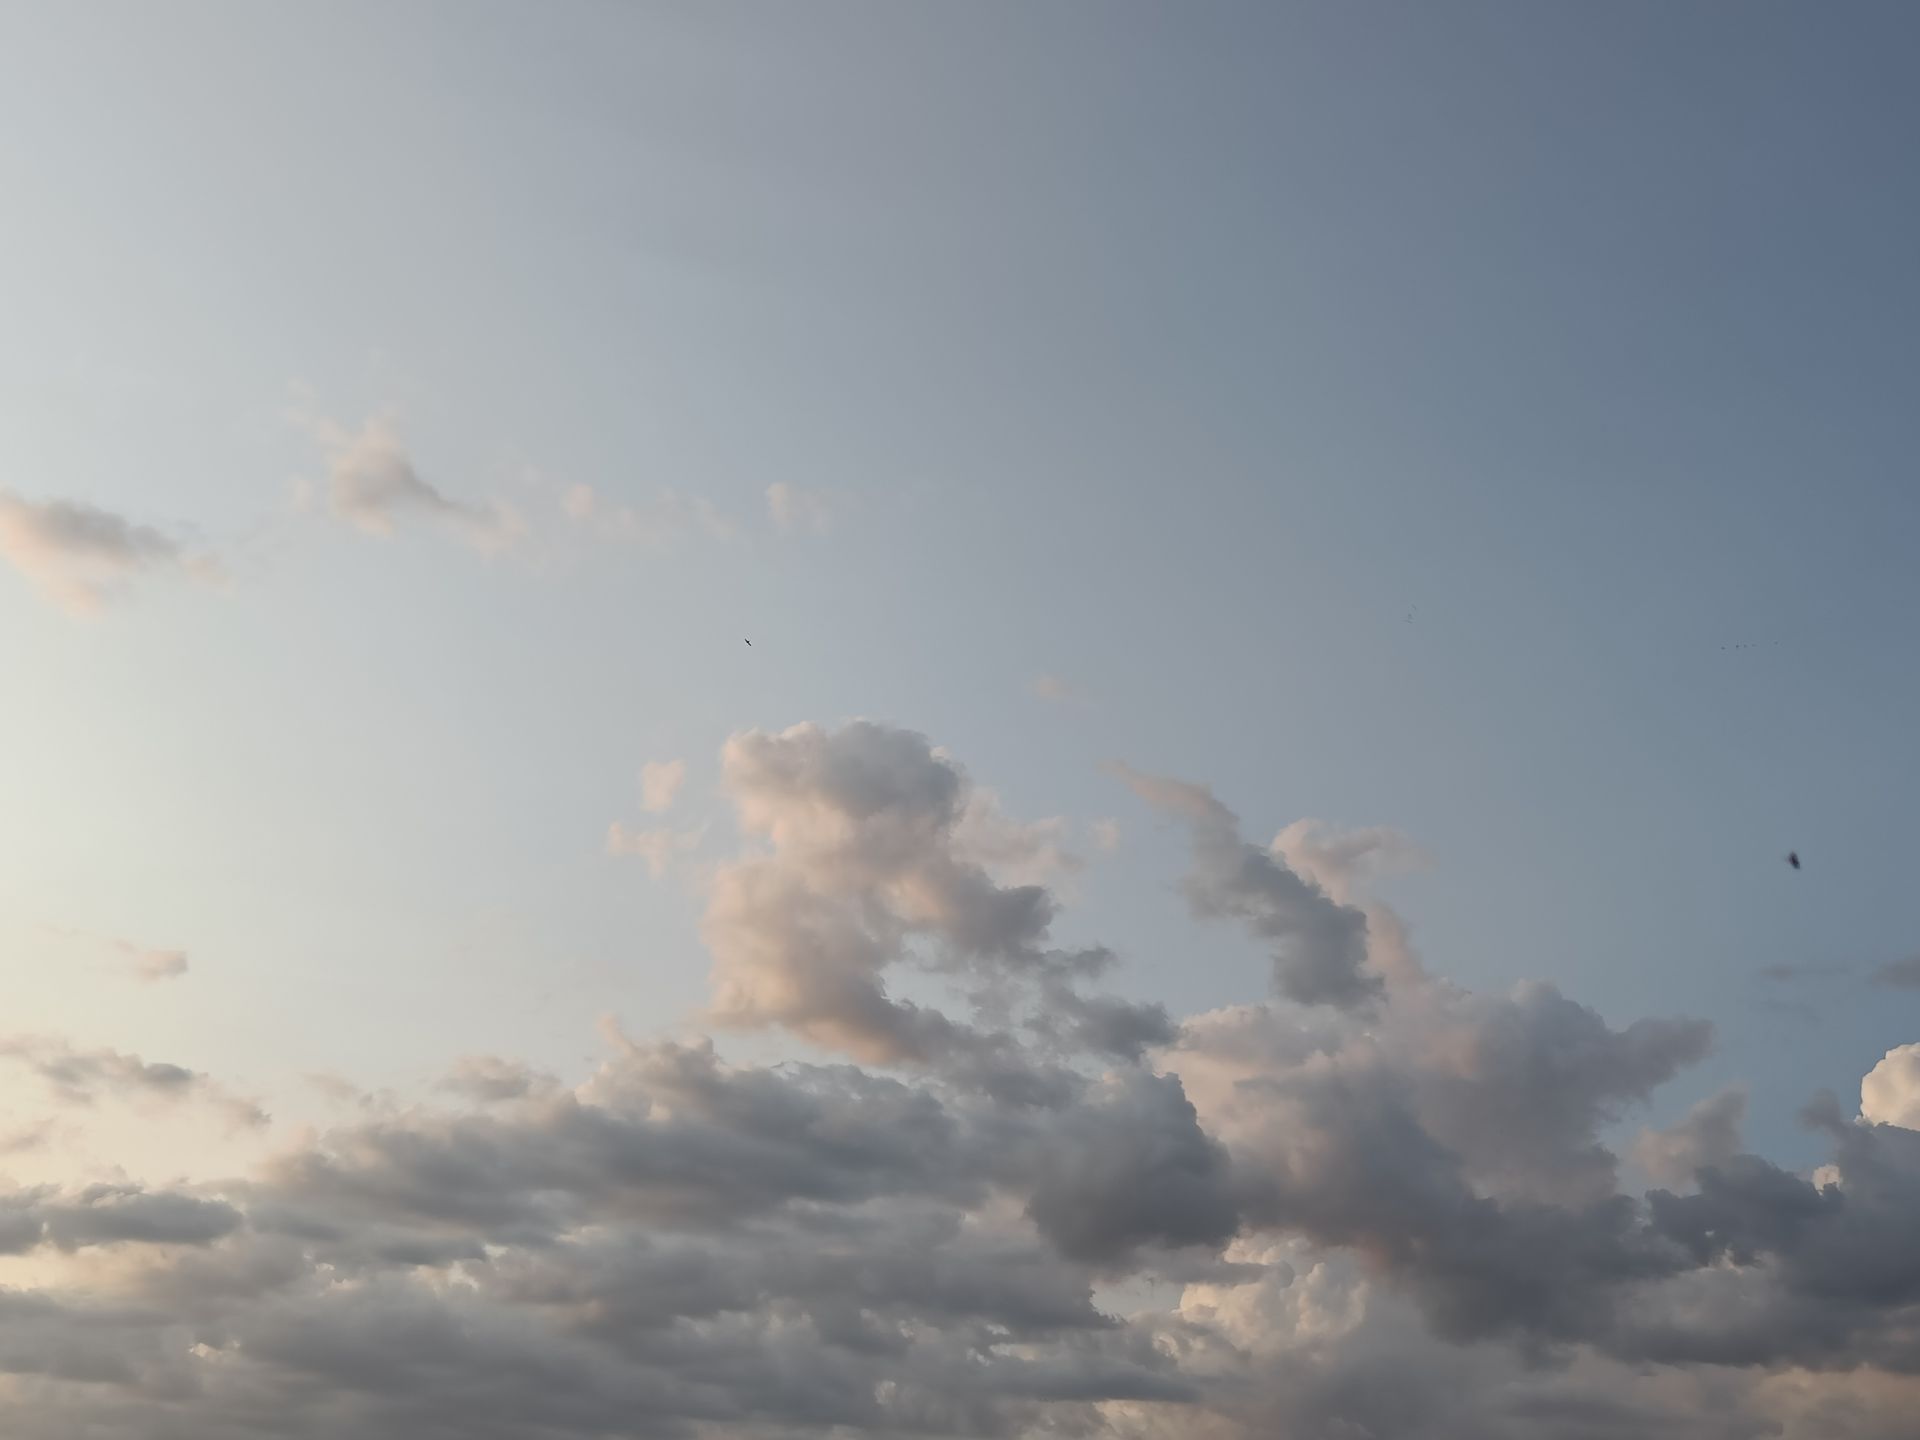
pixel 1053 689
pixel 1890 1092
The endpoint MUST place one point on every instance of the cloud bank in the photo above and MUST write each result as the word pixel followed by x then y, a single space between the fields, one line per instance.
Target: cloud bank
pixel 993 1196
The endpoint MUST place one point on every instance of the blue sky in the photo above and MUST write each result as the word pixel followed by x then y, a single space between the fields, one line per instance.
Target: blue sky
pixel 1385 413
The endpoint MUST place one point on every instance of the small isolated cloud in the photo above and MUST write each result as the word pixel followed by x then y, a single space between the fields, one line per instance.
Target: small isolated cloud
pixel 660 782
pixel 657 847
pixel 1900 974
pixel 151 965
pixel 793 509
pixel 1053 689
pixel 372 485
pixel 80 557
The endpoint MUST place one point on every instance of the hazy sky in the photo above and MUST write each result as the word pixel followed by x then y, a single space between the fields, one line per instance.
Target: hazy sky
pixel 1306 565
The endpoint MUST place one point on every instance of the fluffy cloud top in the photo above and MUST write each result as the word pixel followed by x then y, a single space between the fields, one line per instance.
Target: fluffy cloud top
pixel 1000 1200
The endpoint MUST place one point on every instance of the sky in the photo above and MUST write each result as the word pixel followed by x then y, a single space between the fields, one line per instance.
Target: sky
pixel 1306 565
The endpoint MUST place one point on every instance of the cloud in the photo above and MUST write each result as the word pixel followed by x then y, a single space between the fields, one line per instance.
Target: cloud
pixel 1320 945
pixel 1890 1093
pixel 372 485
pixel 1900 974
pixel 659 847
pixel 883 857
pixel 668 516
pixel 151 965
pixel 1053 689
pixel 1708 1135
pixel 660 782
pixel 81 557
pixel 1001 1200
pixel 84 1077
pixel 792 508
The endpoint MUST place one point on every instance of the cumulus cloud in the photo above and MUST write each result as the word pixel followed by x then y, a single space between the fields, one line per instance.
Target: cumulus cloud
pixel 373 485
pixel 1003 1201
pixel 883 857
pixel 80 557
pixel 1890 1093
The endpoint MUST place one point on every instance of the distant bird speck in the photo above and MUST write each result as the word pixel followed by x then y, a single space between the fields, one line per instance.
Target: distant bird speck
pixel 749 644
pixel 1793 858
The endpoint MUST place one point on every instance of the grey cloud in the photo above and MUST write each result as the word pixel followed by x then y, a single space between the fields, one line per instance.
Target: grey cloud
pixel 1129 1168
pixel 82 1077
pixel 1708 1135
pixel 1320 946
pixel 1899 974
pixel 883 856
pixel 1390 1217
pixel 109 1214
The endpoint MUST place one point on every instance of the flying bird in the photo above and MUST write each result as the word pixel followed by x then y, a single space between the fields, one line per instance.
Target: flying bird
pixel 749 644
pixel 1793 858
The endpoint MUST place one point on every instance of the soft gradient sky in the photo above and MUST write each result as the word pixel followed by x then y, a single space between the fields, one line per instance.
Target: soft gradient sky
pixel 1393 414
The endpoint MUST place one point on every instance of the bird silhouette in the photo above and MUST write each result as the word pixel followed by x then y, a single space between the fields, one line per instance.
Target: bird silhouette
pixel 1793 858
pixel 749 644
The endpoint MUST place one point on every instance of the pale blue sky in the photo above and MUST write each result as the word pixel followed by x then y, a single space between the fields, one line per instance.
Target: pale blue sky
pixel 1176 351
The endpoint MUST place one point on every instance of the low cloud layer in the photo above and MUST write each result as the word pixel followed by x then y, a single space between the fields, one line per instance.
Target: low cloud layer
pixel 995 1196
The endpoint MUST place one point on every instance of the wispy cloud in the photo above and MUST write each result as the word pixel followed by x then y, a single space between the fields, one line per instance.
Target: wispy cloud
pixel 1053 689
pixel 659 847
pixel 372 485
pixel 80 557
pixel 660 782
pixel 793 508
pixel 85 1077
pixel 1899 974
